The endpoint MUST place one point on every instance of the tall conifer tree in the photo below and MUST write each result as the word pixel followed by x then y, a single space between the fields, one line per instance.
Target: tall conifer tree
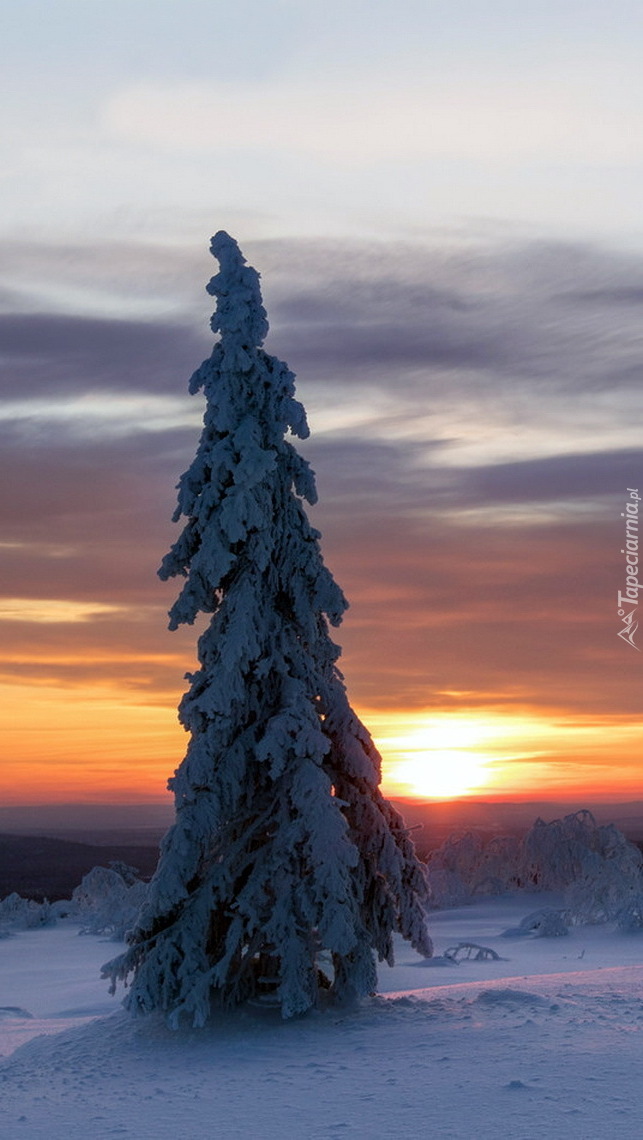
pixel 286 872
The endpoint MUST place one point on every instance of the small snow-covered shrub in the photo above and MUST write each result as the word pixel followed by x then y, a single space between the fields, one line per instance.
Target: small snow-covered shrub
pixel 499 868
pixel 38 914
pixel 128 874
pixel 597 868
pixel 575 848
pixel 24 914
pixel 106 904
pixel 465 867
pixel 557 853
pixel 446 888
pixel 471 952
pixel 596 897
pixel 608 880
pixel 544 923
pixel 453 869
pixel 12 909
pixel 64 908
pixel 630 917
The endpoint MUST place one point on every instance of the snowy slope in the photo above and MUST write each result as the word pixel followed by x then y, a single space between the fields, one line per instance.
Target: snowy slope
pixel 548 1041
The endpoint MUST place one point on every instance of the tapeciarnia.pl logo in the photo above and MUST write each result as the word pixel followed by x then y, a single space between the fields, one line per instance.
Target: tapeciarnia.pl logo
pixel 628 601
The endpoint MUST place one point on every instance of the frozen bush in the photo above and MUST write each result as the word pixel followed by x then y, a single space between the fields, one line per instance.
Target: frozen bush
pixel 560 852
pixel 500 866
pixel 452 870
pixel 597 868
pixel 544 923
pixel 64 908
pixel 128 874
pixel 471 952
pixel 608 879
pixel 17 913
pixel 106 904
pixel 446 888
pixel 630 917
pixel 464 867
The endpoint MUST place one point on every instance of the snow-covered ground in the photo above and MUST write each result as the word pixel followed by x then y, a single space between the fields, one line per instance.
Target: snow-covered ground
pixel 547 1041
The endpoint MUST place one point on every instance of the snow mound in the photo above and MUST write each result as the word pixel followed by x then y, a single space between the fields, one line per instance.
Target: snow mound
pixel 509 997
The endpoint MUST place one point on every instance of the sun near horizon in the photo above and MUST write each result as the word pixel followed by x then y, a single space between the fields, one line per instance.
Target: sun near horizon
pixel 481 753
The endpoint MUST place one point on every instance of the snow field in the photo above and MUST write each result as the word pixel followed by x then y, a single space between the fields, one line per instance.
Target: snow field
pixel 547 1042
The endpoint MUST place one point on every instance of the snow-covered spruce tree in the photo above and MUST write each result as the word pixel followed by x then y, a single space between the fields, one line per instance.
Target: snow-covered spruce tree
pixel 286 872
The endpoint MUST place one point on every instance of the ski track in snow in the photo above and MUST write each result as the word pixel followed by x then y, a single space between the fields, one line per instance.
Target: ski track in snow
pixel 511 1055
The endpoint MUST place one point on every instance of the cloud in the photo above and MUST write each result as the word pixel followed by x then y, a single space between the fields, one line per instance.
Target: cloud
pixel 510 311
pixel 395 314
pixel 88 520
pixel 130 278
pixel 601 476
pixel 623 295
pixel 57 354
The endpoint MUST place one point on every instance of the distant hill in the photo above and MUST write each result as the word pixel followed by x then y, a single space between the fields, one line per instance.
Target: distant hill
pixel 102 824
pixel 90 834
pixel 37 867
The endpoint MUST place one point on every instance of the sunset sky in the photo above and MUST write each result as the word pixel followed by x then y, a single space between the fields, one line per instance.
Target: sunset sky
pixel 444 202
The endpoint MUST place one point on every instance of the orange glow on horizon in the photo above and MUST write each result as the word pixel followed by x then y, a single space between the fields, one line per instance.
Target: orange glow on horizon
pixel 91 716
pixel 87 743
pixel 103 742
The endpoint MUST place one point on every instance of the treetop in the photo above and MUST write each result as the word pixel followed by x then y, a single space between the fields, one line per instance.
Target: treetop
pixel 240 312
